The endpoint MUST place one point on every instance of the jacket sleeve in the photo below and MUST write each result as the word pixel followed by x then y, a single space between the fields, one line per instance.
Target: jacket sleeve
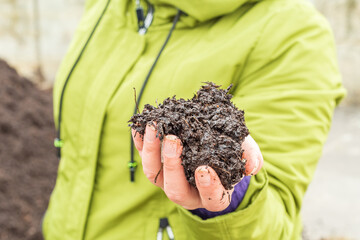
pixel 288 88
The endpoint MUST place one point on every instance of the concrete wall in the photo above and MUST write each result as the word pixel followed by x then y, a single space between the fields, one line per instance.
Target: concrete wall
pixel 344 17
pixel 36 33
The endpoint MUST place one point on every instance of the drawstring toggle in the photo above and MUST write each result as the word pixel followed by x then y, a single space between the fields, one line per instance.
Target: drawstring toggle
pixel 140 15
pixel 58 143
pixel 132 166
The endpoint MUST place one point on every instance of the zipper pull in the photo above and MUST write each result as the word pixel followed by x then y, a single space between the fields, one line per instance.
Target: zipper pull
pixel 164 224
pixel 170 233
pixel 159 235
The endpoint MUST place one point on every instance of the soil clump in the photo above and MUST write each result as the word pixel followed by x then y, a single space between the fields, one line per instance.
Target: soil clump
pixel 28 162
pixel 210 127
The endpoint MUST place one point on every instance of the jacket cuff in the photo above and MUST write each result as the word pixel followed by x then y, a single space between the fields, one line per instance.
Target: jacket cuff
pixel 236 198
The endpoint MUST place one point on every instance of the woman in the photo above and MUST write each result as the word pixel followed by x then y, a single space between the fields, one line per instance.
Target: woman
pixel 279 54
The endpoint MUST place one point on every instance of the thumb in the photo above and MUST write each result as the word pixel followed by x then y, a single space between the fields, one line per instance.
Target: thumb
pixel 213 195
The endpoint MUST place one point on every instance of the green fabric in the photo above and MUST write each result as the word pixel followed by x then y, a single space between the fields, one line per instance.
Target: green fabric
pixel 280 56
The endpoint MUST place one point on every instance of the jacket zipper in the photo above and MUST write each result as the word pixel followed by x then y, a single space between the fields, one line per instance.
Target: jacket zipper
pixel 132 164
pixel 58 142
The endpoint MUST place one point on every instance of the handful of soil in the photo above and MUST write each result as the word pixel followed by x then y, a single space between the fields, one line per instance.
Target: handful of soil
pixel 210 128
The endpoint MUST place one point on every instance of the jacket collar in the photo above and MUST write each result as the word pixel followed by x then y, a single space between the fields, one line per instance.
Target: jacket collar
pixel 198 10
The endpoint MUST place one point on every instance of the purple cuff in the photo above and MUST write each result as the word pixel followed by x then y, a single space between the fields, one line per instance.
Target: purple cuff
pixel 236 198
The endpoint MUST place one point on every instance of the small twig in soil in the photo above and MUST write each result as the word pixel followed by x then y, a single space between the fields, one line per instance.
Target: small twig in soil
pixel 137 106
pixel 222 170
pixel 186 122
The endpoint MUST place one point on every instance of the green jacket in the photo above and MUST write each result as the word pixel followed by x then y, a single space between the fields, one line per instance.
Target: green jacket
pixel 280 56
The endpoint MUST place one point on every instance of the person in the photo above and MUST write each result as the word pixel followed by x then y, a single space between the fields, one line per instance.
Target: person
pixel 280 56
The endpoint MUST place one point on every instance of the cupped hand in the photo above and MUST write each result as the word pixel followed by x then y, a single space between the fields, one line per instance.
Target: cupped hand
pixel 162 166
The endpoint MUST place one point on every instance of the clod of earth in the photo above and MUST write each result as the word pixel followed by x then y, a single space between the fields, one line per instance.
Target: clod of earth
pixel 210 127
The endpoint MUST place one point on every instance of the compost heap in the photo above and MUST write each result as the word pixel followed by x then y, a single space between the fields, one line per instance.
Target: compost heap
pixel 210 128
pixel 28 162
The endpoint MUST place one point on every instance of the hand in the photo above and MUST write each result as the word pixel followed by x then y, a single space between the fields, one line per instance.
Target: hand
pixel 209 193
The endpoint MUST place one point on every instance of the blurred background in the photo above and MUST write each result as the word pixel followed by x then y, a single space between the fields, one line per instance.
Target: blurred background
pixel 34 36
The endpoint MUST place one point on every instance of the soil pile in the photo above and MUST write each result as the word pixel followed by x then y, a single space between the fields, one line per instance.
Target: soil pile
pixel 28 162
pixel 210 128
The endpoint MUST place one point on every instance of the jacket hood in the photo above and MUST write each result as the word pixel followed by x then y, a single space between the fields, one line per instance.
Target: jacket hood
pixel 203 10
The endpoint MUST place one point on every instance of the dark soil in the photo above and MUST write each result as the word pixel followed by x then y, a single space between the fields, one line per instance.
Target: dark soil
pixel 28 163
pixel 210 128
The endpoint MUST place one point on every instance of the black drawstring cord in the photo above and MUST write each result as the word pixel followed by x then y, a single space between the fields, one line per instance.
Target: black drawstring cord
pixel 132 164
pixel 58 142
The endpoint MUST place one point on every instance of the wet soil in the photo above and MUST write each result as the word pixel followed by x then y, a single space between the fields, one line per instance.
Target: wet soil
pixel 28 163
pixel 210 128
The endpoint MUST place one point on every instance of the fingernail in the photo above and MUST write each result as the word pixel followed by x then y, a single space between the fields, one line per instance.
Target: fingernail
pixel 255 167
pixel 204 178
pixel 170 146
pixel 135 133
pixel 150 133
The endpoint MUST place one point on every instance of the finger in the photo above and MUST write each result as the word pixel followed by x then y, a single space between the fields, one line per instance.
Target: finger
pixel 176 186
pixel 253 156
pixel 213 195
pixel 151 156
pixel 138 140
